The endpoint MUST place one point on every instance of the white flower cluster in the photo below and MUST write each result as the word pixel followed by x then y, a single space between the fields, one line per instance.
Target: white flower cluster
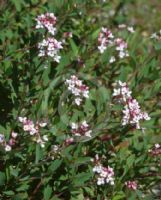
pixel 8 145
pixel 81 129
pixel 105 174
pixel 121 47
pixel 106 38
pixel 34 130
pixel 132 113
pixel 129 28
pixel 156 35
pixel 55 151
pixel 78 89
pixel 49 46
pixel 47 21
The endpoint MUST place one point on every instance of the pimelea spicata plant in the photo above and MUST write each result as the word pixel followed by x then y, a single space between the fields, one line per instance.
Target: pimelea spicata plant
pixel 80 100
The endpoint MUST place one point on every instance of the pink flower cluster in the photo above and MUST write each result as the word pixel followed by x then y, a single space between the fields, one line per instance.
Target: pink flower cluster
pixel 132 185
pixel 49 46
pixel 104 174
pixel 81 129
pixel 34 130
pixel 121 47
pixel 47 21
pixel 156 150
pixel 78 89
pixel 11 142
pixel 106 38
pixel 132 113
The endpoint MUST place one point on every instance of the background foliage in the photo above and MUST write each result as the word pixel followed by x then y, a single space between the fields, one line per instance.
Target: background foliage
pixel 29 89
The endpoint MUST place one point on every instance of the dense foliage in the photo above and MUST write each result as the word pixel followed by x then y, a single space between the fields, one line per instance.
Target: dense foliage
pixel 80 99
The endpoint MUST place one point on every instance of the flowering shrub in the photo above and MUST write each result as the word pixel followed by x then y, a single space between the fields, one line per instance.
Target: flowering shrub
pixel 80 100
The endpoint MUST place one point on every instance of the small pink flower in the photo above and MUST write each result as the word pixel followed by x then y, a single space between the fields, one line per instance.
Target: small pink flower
pixel 69 141
pixel 14 134
pixel 132 185
pixel 121 44
pixel 12 142
pixel 68 35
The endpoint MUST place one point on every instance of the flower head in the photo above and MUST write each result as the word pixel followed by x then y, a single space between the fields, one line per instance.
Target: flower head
pixel 77 88
pixel 104 174
pixel 47 21
pixel 34 130
pixel 81 129
pixel 104 38
pixel 132 185
pixel 132 113
pixel 50 47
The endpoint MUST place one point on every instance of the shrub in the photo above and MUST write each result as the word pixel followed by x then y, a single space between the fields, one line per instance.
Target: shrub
pixel 80 100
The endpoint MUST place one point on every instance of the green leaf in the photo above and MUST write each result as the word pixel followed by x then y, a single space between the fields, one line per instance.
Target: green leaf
pixel 119 196
pixel 81 178
pixel 39 153
pixel 74 47
pixel 130 161
pixel 47 192
pixel 9 193
pixel 55 198
pixel 2 178
pixel 47 93
pixel 158 46
pixel 82 160
pixel 20 196
pixel 18 4
pixel 54 165
pixel 95 34
pixel 23 187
